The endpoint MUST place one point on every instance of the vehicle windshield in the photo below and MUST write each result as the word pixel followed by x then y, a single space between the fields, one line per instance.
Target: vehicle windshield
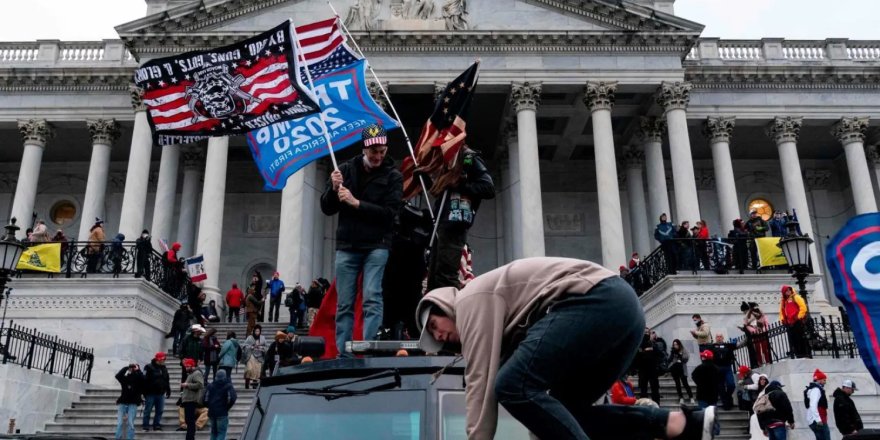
pixel 452 420
pixel 393 415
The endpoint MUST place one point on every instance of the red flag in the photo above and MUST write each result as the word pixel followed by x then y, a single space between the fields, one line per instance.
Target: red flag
pixel 443 134
pixel 325 321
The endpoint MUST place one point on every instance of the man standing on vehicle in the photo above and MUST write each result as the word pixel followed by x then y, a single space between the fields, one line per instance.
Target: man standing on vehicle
pixel 366 192
pixel 534 335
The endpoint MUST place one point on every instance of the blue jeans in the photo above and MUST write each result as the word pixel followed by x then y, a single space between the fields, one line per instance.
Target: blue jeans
pixel 129 410
pixel 219 425
pixel 821 433
pixel 726 386
pixel 777 433
pixel 348 265
pixel 567 352
pixel 150 400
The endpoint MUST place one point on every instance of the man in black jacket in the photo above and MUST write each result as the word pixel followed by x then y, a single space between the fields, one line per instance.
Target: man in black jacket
pixel 773 422
pixel 646 362
pixel 131 379
pixel 144 247
pixel 157 387
pixel 461 201
pixel 845 413
pixel 706 377
pixel 182 320
pixel 724 359
pixel 366 192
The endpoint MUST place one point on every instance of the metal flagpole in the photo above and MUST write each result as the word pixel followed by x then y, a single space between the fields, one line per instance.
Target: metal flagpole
pixel 390 104
pixel 302 57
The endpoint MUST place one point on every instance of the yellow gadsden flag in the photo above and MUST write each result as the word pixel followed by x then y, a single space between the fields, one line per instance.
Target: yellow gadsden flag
pixel 42 258
pixel 769 254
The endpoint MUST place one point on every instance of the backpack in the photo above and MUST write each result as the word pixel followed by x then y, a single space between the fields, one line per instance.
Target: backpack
pixel 239 354
pixel 288 301
pixel 763 404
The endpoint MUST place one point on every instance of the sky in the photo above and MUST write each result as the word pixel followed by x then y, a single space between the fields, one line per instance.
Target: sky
pixel 90 20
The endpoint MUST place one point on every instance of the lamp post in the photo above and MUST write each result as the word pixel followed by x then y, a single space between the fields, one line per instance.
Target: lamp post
pixel 10 253
pixel 796 248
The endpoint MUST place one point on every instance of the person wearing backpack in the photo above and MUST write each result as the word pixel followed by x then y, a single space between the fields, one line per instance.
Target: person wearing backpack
pixel 774 411
pixel 192 395
pixel 219 398
pixel 817 406
pixel 230 353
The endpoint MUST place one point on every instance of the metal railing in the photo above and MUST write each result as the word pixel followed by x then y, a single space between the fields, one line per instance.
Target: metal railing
pixel 49 354
pixel 85 258
pixel 823 336
pixel 691 255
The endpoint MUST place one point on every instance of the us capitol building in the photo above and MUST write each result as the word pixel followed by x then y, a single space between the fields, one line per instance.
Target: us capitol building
pixel 594 116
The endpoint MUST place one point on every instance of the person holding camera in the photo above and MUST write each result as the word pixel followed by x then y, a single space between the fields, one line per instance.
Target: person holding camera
pixel 131 379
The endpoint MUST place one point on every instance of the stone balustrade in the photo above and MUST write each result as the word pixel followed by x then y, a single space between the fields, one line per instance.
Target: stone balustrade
pixel 55 53
pixel 777 50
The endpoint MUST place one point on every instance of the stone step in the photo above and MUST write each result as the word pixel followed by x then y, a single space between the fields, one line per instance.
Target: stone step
pixel 167 426
pixel 111 405
pixel 237 418
pixel 233 433
pixel 240 409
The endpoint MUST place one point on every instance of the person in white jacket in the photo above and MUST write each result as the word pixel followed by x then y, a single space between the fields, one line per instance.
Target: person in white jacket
pixel 755 427
pixel 817 406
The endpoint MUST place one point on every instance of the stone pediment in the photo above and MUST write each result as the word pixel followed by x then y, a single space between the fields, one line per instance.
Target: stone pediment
pixel 249 16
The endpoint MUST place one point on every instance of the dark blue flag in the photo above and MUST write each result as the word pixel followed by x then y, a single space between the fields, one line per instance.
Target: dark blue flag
pixel 282 149
pixel 853 258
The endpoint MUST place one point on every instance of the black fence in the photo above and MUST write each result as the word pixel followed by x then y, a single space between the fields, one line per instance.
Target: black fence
pixel 690 255
pixel 824 336
pixel 49 354
pixel 119 259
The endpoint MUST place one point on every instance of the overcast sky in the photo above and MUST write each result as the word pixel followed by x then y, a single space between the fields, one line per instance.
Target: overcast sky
pixel 73 20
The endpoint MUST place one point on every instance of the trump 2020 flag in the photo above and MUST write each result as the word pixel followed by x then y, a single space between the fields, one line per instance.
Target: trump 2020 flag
pixel 853 258
pixel 283 148
pixel 229 90
pixel 195 266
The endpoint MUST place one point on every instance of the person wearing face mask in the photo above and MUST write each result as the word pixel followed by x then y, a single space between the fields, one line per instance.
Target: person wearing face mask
pixel 144 247
pixel 703 332
pixel 366 192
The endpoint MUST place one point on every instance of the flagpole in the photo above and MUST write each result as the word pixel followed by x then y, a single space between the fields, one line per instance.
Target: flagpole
pixel 302 58
pixel 390 104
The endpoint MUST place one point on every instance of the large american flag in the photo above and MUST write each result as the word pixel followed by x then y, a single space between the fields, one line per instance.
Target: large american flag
pixel 324 48
pixel 228 90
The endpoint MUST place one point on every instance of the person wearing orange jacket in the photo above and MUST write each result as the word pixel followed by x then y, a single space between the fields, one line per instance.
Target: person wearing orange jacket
pixel 793 314
pixel 622 392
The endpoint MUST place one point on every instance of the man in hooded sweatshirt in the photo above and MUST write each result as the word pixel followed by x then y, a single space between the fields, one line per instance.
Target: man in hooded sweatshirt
pixel 665 234
pixel 219 398
pixel 846 415
pixel 534 335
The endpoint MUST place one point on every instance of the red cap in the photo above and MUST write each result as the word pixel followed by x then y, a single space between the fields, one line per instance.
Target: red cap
pixel 622 267
pixel 707 355
pixel 160 356
pixel 188 362
pixel 819 375
pixel 743 370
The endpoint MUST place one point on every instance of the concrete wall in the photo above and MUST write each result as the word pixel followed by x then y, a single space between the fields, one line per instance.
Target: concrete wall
pixel 33 398
pixel 123 319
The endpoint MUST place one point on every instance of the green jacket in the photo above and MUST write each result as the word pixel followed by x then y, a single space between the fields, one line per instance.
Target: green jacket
pixel 195 385
pixel 191 347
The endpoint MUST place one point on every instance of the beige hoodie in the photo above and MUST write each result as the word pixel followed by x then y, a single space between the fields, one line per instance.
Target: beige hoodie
pixel 492 308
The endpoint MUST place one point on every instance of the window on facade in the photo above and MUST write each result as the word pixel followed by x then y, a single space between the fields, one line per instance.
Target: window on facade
pixel 63 212
pixel 764 208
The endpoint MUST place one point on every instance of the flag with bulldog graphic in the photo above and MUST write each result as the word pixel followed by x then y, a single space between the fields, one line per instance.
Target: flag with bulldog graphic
pixel 224 91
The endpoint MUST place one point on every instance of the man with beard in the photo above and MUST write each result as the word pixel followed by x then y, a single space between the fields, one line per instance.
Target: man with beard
pixel 366 192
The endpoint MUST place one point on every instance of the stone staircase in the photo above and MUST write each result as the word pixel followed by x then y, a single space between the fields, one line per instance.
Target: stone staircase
pixel 95 412
pixel 734 423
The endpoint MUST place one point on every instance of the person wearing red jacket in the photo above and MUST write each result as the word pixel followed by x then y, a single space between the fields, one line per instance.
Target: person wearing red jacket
pixel 701 233
pixel 622 392
pixel 234 299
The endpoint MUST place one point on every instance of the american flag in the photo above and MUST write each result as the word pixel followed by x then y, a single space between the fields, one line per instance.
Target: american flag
pixel 228 90
pixel 442 136
pixel 323 47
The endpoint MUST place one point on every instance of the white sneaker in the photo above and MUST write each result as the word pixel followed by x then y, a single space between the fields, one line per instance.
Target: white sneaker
pixel 681 400
pixel 693 402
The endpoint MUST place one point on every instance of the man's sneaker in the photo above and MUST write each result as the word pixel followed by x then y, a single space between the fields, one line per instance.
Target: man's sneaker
pixel 146 429
pixel 157 428
pixel 681 400
pixel 693 402
pixel 699 424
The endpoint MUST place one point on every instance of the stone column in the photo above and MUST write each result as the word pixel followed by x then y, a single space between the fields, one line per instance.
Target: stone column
pixel 674 98
pixel 35 133
pixel 514 188
pixel 290 236
pixel 651 132
pixel 525 98
pixel 137 179
pixel 599 98
pixel 633 159
pixel 193 163
pixel 104 133
pixel 211 216
pixel 851 134
pixel 306 212
pixel 872 153
pixel 719 131
pixel 166 192
pixel 785 132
